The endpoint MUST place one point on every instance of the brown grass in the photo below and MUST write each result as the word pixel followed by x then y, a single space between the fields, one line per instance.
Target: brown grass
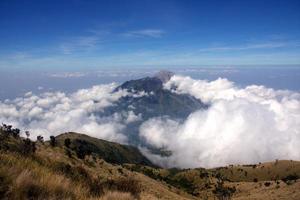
pixel 117 196
pixel 28 180
pixel 50 173
pixel 127 185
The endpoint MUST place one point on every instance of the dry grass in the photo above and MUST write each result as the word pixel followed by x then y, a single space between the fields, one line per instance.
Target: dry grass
pixel 40 178
pixel 28 180
pixel 276 170
pixel 280 190
pixel 128 185
pixel 49 173
pixel 117 196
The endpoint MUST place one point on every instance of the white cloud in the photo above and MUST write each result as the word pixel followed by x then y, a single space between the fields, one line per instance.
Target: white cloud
pixel 263 45
pixel 81 43
pixel 242 125
pixel 154 33
pixel 56 112
pixel 132 117
pixel 68 75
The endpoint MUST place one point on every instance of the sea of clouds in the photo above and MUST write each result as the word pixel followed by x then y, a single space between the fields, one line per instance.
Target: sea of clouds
pixel 241 125
pixel 52 113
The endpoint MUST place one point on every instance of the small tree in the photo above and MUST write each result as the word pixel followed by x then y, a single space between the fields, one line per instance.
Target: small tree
pixel 221 191
pixel 80 152
pixel 67 142
pixel 52 141
pixel 27 134
pixel 28 147
pixel 40 139
pixel 68 153
pixel 16 132
pixel 9 127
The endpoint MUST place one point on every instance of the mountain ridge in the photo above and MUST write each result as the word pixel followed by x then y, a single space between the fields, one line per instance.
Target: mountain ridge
pixel 111 152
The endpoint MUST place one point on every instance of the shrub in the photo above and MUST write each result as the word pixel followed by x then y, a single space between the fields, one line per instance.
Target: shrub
pixel 16 133
pixel 267 184
pixel 67 142
pixel 292 177
pixel 126 184
pixel 68 153
pixel 82 151
pixel 40 139
pixel 7 131
pixel 96 187
pixel 27 147
pixel 27 134
pixel 25 187
pixel 34 191
pixel 223 192
pixel 80 175
pixel 52 141
pixel 62 167
pixel 5 182
pixel 204 175
pixel 81 172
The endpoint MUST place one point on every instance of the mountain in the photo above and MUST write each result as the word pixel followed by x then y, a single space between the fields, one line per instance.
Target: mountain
pixel 157 101
pixel 150 99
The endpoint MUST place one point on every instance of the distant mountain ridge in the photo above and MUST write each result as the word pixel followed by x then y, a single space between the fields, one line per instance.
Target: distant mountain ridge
pixel 148 84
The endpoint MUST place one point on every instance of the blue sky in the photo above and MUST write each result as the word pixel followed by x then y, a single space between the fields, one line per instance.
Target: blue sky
pixel 75 35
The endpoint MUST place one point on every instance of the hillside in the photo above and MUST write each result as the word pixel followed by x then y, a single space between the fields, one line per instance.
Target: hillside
pixel 272 179
pixel 76 166
pixel 42 170
pixel 109 151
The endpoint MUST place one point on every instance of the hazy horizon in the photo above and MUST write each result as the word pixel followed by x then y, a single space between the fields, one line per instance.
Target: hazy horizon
pixel 277 77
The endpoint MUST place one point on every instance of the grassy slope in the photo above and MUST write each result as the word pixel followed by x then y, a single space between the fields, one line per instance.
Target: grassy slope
pixel 203 182
pixel 110 151
pixel 262 172
pixel 50 173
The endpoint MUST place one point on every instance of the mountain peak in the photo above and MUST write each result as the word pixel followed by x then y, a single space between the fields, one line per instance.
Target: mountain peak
pixel 164 75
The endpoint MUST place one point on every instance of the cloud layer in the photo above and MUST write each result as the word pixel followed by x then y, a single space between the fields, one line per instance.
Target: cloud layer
pixel 54 113
pixel 242 125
